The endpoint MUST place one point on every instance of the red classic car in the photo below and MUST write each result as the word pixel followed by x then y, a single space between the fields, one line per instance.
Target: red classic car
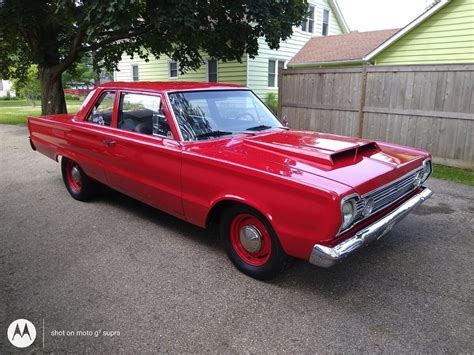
pixel 213 153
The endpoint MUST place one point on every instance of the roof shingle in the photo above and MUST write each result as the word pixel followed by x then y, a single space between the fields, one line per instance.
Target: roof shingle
pixel 345 47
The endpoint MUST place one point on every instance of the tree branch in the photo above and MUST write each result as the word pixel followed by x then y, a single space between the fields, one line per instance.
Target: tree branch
pixel 117 37
pixel 73 50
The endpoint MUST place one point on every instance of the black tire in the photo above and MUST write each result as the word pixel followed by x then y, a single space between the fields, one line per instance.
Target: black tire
pixel 82 191
pixel 270 264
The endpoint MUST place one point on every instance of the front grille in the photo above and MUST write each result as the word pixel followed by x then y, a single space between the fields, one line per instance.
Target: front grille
pixel 390 193
pixel 360 204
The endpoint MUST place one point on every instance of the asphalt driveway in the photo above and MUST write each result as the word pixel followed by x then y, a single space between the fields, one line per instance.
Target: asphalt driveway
pixel 118 265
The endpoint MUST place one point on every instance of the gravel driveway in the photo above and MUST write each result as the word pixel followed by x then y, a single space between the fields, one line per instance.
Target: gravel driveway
pixel 159 284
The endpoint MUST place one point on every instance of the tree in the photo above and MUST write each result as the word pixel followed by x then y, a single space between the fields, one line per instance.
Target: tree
pixel 28 85
pixel 57 34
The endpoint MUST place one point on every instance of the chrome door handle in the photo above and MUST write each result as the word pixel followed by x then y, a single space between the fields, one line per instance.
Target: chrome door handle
pixel 109 142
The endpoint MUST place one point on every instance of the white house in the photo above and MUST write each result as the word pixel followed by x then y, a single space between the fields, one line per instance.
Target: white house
pixel 6 88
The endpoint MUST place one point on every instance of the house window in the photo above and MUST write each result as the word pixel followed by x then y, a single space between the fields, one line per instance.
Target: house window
pixel 135 72
pixel 1 84
pixel 212 71
pixel 274 67
pixel 325 22
pixel 308 23
pixel 173 70
pixel 272 73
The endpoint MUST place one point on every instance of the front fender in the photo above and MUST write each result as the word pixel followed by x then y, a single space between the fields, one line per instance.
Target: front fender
pixel 300 214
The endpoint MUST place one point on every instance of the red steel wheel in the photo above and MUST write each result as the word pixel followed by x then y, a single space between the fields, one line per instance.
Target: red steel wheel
pixel 250 239
pixel 251 243
pixel 74 177
pixel 79 185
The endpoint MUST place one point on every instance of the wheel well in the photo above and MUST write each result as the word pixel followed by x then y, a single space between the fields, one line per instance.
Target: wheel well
pixel 216 211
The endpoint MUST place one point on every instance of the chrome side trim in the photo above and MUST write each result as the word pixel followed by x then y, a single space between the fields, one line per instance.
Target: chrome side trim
pixel 173 117
pixel 326 257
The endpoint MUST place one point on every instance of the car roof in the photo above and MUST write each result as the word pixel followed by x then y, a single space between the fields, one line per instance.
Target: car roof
pixel 167 85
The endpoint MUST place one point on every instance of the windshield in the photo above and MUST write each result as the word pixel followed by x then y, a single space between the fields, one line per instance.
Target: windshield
pixel 211 114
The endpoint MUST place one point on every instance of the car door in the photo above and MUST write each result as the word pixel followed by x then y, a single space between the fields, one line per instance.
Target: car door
pixel 89 138
pixel 145 157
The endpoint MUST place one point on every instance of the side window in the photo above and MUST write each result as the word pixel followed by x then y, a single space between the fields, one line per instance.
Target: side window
pixel 143 114
pixel 325 28
pixel 135 76
pixel 102 112
pixel 212 71
pixel 308 23
pixel 271 73
pixel 274 68
pixel 173 70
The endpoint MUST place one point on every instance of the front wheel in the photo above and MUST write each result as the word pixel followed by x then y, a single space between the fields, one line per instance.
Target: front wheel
pixel 79 185
pixel 251 243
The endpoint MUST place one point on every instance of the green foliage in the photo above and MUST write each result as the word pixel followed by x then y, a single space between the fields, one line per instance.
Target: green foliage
pixel 28 85
pixel 57 34
pixel 79 74
pixel 72 98
pixel 272 101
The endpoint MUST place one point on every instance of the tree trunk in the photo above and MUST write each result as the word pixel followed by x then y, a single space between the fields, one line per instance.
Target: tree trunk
pixel 52 93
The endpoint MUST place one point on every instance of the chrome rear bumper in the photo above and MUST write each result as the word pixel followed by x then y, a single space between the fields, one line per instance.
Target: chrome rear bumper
pixel 325 257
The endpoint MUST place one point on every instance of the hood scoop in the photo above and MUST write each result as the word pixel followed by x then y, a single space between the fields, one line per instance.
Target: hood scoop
pixel 326 151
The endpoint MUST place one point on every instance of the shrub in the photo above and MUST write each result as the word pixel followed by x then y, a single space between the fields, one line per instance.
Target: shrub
pixel 72 98
pixel 272 102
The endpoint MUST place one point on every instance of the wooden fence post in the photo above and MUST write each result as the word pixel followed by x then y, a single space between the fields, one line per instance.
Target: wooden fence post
pixel 363 94
pixel 280 94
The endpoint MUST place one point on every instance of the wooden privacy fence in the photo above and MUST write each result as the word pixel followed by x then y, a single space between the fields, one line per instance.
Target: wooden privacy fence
pixel 425 106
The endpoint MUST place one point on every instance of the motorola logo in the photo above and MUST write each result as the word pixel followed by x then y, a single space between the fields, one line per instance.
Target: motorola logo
pixel 21 333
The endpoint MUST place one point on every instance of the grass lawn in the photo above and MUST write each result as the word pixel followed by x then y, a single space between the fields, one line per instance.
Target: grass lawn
pixel 16 111
pixel 453 174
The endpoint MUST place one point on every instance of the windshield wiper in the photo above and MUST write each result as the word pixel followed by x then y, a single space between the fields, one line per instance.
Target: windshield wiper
pixel 259 128
pixel 213 134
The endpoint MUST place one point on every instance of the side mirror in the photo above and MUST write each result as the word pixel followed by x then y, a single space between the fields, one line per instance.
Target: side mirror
pixel 284 120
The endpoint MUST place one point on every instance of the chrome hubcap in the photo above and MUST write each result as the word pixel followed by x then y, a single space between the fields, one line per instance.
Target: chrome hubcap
pixel 250 238
pixel 76 174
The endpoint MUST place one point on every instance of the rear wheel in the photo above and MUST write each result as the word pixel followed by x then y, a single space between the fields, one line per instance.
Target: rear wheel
pixel 251 243
pixel 79 185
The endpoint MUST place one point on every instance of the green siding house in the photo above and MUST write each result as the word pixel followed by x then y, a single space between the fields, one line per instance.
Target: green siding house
pixel 444 34
pixel 259 73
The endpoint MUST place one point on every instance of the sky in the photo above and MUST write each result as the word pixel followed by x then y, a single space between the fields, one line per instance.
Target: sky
pixel 369 15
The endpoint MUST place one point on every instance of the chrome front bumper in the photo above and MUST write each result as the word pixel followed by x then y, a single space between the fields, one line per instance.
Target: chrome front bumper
pixel 325 257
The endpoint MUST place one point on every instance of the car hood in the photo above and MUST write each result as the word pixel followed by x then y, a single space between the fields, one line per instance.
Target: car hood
pixel 357 163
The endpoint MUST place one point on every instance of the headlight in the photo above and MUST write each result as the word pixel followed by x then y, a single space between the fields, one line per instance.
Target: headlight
pixel 348 212
pixel 427 169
